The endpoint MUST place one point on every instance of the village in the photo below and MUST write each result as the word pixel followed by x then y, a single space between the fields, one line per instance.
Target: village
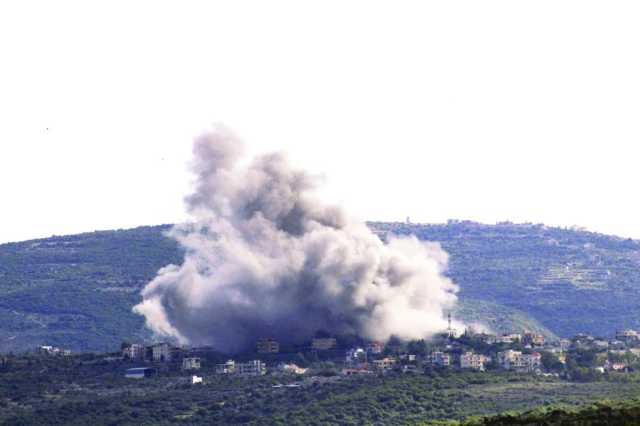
pixel 526 352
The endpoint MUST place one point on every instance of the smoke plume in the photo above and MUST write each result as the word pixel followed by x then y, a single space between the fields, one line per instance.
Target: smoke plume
pixel 264 258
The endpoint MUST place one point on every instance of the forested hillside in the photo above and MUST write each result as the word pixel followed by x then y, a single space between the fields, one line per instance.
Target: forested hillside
pixel 77 291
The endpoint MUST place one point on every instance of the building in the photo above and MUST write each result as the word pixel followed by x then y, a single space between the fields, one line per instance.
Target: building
pixel 195 380
pixel 473 361
pixel 133 351
pixel 408 357
pixel 161 352
pixel 440 359
pixel 516 360
pixel 52 350
pixel 375 348
pixel 268 346
pixel 509 338
pixel 323 343
pixel 489 339
pixel 251 368
pixel 140 373
pixel 356 356
pixel 533 339
pixel 627 336
pixel 384 364
pixel 228 367
pixel 192 363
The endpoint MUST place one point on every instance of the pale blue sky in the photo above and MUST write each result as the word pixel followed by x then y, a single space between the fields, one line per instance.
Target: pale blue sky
pixel 490 111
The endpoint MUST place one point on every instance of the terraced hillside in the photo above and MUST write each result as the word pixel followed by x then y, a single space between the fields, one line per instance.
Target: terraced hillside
pixel 77 291
pixel 569 280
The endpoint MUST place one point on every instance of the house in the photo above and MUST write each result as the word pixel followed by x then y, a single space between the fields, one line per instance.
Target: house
pixel 228 367
pixel 384 364
pixel 489 339
pixel 533 339
pixel 192 363
pixel 509 338
pixel 323 343
pixel 440 359
pixel 375 348
pixel 516 360
pixel 407 357
pixel 195 380
pixel 134 351
pixel 251 368
pixel 52 350
pixel 140 372
pixel 268 346
pixel 627 336
pixel 615 366
pixel 473 361
pixel 355 356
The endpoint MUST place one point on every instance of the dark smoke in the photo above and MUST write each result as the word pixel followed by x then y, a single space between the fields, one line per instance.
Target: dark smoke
pixel 264 258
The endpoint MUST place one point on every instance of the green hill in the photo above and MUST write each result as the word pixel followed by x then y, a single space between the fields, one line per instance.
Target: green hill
pixel 77 291
pixel 569 280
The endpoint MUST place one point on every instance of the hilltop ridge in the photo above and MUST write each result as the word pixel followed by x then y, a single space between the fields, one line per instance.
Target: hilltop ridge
pixel 77 291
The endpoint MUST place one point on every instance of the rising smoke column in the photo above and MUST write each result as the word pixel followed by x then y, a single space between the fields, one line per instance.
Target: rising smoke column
pixel 264 258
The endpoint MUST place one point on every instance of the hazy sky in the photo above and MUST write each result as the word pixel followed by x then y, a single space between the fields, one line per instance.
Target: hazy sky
pixel 482 110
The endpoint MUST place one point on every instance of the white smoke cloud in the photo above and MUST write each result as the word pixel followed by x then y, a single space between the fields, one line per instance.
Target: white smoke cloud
pixel 266 258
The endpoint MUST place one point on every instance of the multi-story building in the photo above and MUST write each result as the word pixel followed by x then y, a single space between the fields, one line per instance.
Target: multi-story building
pixel 133 351
pixel 375 347
pixel 323 343
pixel 161 352
pixel 251 368
pixel 268 346
pixel 192 363
pixel 516 360
pixel 533 339
pixel 440 359
pixel 384 363
pixel 473 361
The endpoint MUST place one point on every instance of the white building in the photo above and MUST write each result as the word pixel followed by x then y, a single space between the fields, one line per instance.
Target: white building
pixel 195 380
pixel 191 363
pixel 161 352
pixel 516 360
